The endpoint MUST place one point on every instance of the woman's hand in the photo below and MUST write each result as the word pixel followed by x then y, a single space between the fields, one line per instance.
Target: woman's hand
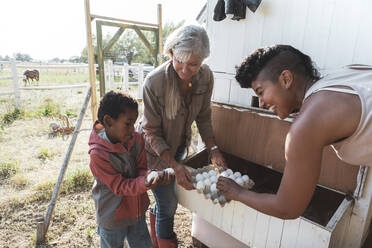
pixel 182 175
pixel 229 188
pixel 218 159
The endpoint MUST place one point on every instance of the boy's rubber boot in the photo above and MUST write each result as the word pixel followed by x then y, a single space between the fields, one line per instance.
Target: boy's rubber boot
pixel 168 243
pixel 152 229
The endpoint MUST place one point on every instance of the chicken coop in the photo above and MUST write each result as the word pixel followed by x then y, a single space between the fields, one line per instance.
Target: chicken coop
pixel 333 34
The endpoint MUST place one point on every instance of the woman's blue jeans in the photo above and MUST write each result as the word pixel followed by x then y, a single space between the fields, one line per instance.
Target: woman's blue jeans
pixel 166 203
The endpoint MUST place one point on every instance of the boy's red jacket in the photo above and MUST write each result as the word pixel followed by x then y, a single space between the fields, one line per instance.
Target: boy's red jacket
pixel 119 190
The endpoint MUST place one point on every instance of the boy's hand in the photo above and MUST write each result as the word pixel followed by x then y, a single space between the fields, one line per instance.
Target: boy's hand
pixel 153 178
pixel 168 176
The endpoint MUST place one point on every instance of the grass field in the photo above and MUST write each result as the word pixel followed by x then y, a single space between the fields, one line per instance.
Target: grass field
pixel 30 161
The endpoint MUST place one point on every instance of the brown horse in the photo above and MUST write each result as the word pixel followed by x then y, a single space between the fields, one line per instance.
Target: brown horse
pixel 34 74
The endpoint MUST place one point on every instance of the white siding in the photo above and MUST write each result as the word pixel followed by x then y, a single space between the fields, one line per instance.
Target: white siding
pixel 333 32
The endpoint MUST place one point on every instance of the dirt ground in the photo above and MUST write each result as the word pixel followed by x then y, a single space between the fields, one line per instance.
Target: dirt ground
pixel 27 142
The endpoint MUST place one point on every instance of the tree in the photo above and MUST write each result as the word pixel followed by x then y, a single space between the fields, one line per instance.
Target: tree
pixel 23 57
pixel 75 59
pixel 129 48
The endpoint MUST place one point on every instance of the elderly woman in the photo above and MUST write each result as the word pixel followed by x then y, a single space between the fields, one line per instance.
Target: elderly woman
pixel 334 110
pixel 175 95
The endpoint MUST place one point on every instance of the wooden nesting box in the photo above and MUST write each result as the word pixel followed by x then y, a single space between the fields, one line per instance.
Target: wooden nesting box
pixel 253 143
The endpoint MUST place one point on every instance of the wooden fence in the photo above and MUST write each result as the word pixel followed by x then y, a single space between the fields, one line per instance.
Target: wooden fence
pixel 126 73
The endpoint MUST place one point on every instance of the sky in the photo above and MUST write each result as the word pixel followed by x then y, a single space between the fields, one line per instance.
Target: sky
pixel 46 29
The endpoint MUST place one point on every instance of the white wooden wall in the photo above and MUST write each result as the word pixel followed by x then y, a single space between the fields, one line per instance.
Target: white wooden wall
pixel 332 32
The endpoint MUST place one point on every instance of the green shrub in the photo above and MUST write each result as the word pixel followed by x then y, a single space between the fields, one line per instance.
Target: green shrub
pixel 8 168
pixel 8 118
pixel 19 181
pixel 70 114
pixel 49 108
pixel 78 180
pixel 45 153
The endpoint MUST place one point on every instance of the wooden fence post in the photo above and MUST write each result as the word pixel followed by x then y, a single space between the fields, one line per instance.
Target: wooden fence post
pixel 125 77
pixel 15 84
pixel 140 81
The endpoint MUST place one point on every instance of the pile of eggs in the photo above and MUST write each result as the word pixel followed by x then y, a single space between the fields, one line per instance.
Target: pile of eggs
pixel 205 179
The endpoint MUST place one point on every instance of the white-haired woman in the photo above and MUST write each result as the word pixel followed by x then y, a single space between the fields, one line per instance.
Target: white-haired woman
pixel 176 94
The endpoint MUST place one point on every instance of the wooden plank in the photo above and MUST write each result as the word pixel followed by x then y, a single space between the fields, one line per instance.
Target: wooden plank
pixel 145 41
pixel 290 232
pixel 311 235
pixel 240 96
pixel 254 23
pixel 221 90
pixel 101 71
pixel 275 232
pixel 274 11
pixel 160 32
pixel 217 213
pixel 123 20
pixel 115 24
pixel 250 221
pixel 235 31
pixel 361 216
pixel 342 221
pixel 343 33
pixel 317 30
pixel 294 20
pixel 238 220
pixel 113 39
pixel 363 52
pixel 261 230
pixel 92 73
pixel 17 94
pixel 227 217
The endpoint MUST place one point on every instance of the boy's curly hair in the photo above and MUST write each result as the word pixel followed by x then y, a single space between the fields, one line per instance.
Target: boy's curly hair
pixel 114 103
pixel 274 60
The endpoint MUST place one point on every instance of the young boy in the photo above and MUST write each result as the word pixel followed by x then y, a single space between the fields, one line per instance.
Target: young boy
pixel 118 163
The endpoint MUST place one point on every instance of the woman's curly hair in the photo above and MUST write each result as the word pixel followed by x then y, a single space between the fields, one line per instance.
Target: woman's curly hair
pixel 274 60
pixel 114 103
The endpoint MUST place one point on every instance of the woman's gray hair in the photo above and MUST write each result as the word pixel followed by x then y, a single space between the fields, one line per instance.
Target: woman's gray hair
pixel 185 41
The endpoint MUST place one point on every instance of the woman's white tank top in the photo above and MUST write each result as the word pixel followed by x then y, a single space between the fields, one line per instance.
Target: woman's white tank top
pixel 356 149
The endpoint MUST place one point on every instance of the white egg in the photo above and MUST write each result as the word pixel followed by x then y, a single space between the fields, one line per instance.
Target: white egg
pixel 237 174
pixel 229 172
pixel 205 175
pixel 199 177
pixel 153 175
pixel 239 181
pixel 250 184
pixel 212 173
pixel 232 177
pixel 169 171
pixel 213 188
pixel 213 179
pixel 224 174
pixel 222 199
pixel 245 178
pixel 200 186
pixel 207 182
